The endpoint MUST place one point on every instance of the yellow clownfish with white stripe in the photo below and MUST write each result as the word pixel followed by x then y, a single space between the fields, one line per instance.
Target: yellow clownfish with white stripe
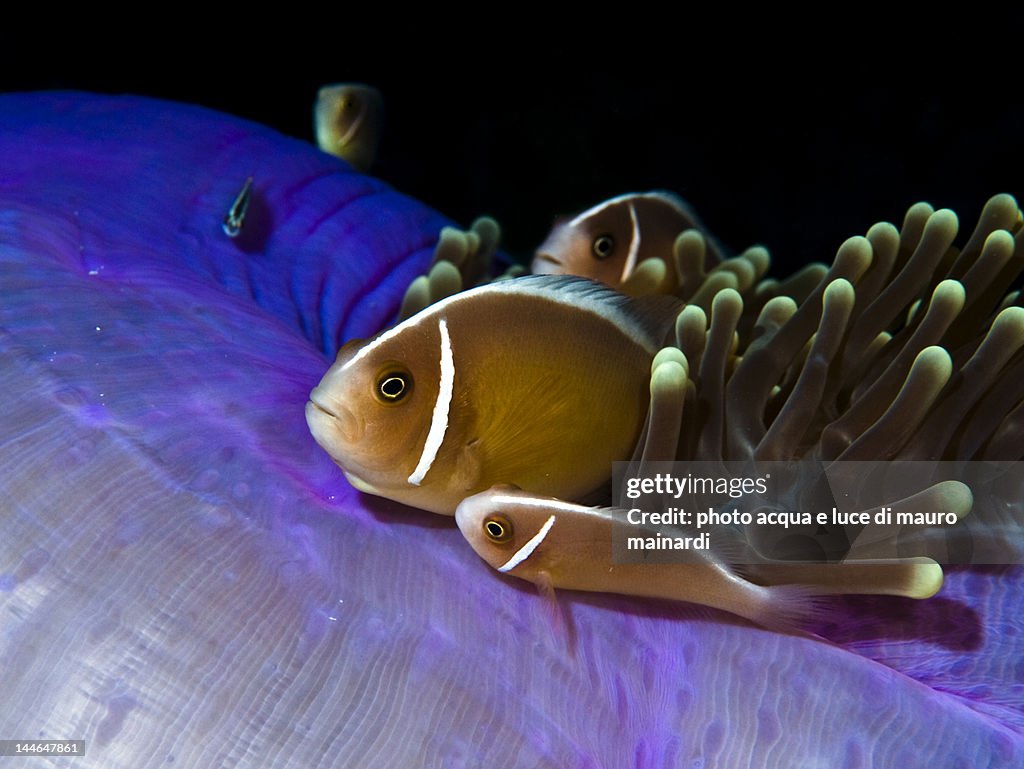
pixel 556 544
pixel 541 381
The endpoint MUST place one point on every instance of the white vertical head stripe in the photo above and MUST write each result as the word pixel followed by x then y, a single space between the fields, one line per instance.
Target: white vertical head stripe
pixel 634 244
pixel 527 550
pixel 439 420
pixel 600 207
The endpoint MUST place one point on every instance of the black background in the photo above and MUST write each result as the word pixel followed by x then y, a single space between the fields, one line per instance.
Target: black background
pixel 796 160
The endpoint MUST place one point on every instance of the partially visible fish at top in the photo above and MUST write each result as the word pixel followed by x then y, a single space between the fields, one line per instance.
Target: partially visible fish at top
pixel 541 381
pixel 609 241
pixel 347 118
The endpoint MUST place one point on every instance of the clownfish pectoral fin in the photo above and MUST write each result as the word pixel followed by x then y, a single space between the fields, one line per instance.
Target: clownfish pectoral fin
pixel 559 612
pixel 545 587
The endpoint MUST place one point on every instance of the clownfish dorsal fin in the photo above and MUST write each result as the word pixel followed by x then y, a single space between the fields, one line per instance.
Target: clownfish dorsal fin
pixel 650 320
pixel 672 200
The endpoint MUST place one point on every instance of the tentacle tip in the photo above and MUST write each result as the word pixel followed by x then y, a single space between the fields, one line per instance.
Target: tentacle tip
pixel 726 297
pixel 1000 239
pixel 920 208
pixel 1002 199
pixel 669 376
pixel 945 218
pixel 690 239
pixel 693 313
pixel 882 229
pixel 926 579
pixel 950 291
pixel 958 498
pixel 935 358
pixel 1011 315
pixel 444 270
pixel 838 289
pixel 669 354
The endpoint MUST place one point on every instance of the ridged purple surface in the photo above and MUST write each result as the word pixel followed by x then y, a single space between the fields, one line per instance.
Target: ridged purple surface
pixel 186 580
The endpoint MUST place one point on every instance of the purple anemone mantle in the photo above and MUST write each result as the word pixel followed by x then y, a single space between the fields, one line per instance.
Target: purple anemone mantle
pixel 186 579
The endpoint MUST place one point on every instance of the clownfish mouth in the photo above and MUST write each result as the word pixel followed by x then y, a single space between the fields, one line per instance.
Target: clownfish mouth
pixel 320 407
pixel 542 257
pixel 328 425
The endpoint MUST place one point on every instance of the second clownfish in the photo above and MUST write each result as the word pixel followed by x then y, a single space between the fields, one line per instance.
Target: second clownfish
pixel 610 240
pixel 557 544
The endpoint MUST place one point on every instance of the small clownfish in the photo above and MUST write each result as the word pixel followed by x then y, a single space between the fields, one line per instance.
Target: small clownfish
pixel 556 544
pixel 608 242
pixel 347 118
pixel 542 381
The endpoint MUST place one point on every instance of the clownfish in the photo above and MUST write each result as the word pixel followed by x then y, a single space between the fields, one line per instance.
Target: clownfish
pixel 347 118
pixel 609 241
pixel 541 381
pixel 556 544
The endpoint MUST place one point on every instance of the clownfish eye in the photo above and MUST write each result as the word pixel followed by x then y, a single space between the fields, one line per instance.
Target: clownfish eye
pixel 498 529
pixel 392 386
pixel 603 246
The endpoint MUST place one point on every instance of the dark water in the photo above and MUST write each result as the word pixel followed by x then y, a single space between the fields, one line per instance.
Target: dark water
pixel 778 158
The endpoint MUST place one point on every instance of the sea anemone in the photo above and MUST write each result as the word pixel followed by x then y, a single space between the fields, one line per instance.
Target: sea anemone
pixel 187 579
